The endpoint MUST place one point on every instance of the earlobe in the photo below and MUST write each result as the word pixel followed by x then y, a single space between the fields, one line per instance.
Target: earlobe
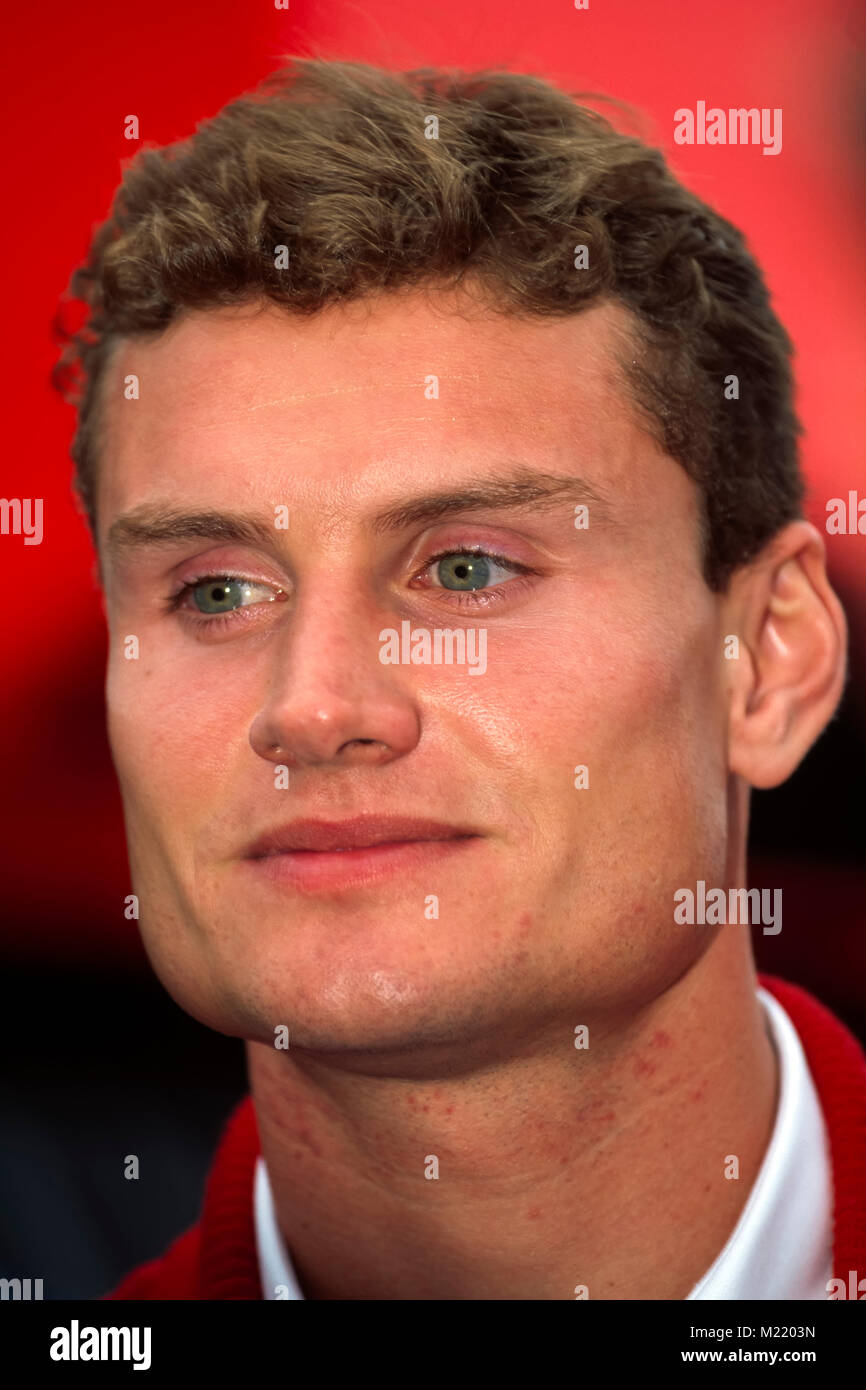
pixel 796 636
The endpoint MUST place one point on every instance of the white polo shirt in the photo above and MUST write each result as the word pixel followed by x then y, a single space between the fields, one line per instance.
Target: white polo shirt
pixel 782 1245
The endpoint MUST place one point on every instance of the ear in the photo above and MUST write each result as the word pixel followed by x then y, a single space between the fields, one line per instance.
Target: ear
pixel 790 674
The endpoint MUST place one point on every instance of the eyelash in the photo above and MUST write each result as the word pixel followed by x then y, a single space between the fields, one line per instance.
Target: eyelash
pixel 469 598
pixel 465 598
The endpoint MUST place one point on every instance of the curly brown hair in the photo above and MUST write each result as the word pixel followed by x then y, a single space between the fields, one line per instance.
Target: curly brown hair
pixel 335 162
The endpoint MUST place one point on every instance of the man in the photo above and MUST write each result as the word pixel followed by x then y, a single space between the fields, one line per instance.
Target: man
pixel 439 454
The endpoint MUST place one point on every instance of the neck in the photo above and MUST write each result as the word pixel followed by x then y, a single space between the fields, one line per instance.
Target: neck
pixel 602 1168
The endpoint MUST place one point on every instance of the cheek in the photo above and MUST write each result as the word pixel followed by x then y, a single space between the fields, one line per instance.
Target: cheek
pixel 639 705
pixel 172 732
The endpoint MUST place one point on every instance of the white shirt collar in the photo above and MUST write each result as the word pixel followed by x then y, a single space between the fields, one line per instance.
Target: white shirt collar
pixel 782 1244
pixel 277 1275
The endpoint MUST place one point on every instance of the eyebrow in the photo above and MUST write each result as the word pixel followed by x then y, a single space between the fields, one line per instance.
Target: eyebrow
pixel 523 488
pixel 153 524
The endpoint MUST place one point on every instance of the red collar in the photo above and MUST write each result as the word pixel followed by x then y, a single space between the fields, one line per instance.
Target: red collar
pixel 838 1066
pixel 228 1259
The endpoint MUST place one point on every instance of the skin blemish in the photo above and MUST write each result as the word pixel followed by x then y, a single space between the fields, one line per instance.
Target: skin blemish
pixel 593 1113
pixel 660 1038
pixel 644 1068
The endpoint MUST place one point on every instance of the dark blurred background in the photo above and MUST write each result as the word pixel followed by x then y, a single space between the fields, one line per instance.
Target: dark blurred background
pixel 99 1060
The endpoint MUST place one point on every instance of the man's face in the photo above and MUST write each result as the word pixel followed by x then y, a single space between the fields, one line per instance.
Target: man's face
pixel 603 650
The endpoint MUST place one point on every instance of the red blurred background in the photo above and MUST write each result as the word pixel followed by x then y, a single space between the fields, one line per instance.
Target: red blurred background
pixel 72 75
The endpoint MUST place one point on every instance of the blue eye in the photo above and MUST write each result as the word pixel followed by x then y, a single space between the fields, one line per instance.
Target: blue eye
pixel 467 570
pixel 223 593
pixel 215 594
pixel 463 571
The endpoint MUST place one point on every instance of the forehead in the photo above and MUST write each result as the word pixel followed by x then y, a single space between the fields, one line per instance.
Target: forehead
pixel 359 395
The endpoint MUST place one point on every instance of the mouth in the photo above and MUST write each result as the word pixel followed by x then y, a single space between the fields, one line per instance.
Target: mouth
pixel 323 856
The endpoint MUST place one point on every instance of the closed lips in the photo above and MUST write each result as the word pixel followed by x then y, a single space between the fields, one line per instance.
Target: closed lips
pixel 362 832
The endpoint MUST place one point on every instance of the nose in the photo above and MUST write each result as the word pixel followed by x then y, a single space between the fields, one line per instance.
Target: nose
pixel 330 699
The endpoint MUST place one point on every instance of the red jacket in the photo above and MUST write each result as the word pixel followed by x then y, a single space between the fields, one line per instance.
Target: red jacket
pixel 217 1257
